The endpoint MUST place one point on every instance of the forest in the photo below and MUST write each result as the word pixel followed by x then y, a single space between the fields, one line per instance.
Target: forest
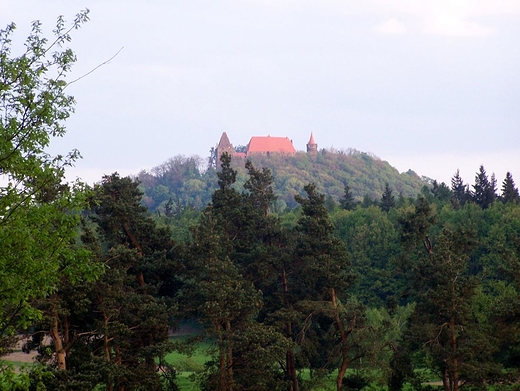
pixel 187 182
pixel 341 291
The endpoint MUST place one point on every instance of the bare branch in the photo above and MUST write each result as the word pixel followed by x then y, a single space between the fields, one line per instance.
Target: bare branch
pixel 99 66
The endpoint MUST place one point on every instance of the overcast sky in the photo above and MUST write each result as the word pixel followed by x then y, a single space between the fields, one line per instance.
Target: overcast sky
pixel 431 86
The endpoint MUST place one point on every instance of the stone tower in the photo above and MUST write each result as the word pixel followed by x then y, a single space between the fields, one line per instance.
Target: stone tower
pixel 312 147
pixel 223 146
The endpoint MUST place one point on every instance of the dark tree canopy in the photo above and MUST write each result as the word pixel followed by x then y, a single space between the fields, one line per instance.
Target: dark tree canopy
pixel 387 199
pixel 459 191
pixel 347 202
pixel 509 189
pixel 484 190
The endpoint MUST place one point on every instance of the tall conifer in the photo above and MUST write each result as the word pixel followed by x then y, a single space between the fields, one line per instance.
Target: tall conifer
pixel 509 190
pixel 387 199
pixel 484 189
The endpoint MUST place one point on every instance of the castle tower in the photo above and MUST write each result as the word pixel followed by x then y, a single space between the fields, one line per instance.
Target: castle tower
pixel 223 146
pixel 312 147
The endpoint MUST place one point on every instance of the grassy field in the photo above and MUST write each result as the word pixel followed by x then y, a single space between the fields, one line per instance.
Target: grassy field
pixel 188 366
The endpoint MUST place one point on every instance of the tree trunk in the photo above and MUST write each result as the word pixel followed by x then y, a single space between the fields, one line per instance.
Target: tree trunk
pixel 446 380
pixel 58 343
pixel 455 363
pixel 289 357
pixel 119 360
pixel 229 357
pixel 344 352
pixel 106 345
pixel 222 359
pixel 341 373
pixel 137 245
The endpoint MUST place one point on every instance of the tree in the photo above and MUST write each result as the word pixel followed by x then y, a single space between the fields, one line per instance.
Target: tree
pixel 445 322
pixel 509 190
pixel 458 190
pixel 219 296
pixel 387 199
pixel 38 211
pixel 322 277
pixel 484 190
pixel 372 243
pixel 347 201
pixel 117 327
pixel 232 260
pixel 441 191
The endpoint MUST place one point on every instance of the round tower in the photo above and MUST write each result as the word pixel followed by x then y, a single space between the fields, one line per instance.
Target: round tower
pixel 312 147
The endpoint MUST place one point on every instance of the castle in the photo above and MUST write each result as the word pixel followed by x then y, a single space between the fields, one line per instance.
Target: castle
pixel 263 145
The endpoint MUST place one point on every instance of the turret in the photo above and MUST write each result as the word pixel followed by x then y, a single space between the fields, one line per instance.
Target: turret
pixel 312 147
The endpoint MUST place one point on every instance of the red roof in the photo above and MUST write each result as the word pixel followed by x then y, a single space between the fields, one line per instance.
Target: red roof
pixel 311 141
pixel 270 144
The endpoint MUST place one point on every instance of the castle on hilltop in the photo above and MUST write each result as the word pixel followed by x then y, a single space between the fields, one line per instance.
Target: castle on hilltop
pixel 263 145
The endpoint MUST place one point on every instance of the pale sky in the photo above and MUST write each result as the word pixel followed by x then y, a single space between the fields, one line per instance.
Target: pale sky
pixel 431 86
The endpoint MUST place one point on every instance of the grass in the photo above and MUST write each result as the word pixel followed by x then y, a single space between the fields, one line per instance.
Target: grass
pixel 189 365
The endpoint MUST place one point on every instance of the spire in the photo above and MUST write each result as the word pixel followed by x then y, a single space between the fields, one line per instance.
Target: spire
pixel 224 140
pixel 223 146
pixel 311 141
pixel 312 147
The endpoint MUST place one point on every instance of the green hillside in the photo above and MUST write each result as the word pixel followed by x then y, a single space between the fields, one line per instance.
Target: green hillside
pixel 186 181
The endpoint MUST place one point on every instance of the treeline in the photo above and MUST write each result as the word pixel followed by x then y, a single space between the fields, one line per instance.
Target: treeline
pixel 388 289
pixel 183 182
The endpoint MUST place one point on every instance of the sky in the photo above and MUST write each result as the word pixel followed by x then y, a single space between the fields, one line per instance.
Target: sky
pixel 427 85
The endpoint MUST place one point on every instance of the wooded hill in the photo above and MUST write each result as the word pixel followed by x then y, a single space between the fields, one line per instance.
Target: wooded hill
pixel 187 182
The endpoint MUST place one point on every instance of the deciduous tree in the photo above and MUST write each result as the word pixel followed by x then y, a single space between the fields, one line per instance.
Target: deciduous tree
pixel 38 210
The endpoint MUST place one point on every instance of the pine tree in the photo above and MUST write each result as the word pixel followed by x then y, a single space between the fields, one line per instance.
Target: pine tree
pixel 321 275
pixel 459 192
pixel 131 304
pixel 440 191
pixel 509 190
pixel 444 321
pixel 347 202
pixel 234 257
pixel 387 199
pixel 484 190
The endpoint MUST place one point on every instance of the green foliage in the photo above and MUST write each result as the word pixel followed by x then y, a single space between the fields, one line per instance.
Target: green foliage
pixel 509 190
pixel 347 201
pixel 484 190
pixel 112 332
pixel 189 185
pixel 223 260
pixel 372 243
pixel 387 199
pixel 38 211
pixel 460 192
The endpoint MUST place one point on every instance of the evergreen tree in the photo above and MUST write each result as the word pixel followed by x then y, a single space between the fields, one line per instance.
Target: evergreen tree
pixel 441 192
pixel 444 321
pixel 131 306
pixel 347 201
pixel 322 278
pixel 484 192
pixel 509 190
pixel 223 301
pixel 387 199
pixel 458 190
pixel 232 260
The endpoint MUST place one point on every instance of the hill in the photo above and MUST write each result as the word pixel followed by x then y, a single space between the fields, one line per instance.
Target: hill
pixel 184 182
